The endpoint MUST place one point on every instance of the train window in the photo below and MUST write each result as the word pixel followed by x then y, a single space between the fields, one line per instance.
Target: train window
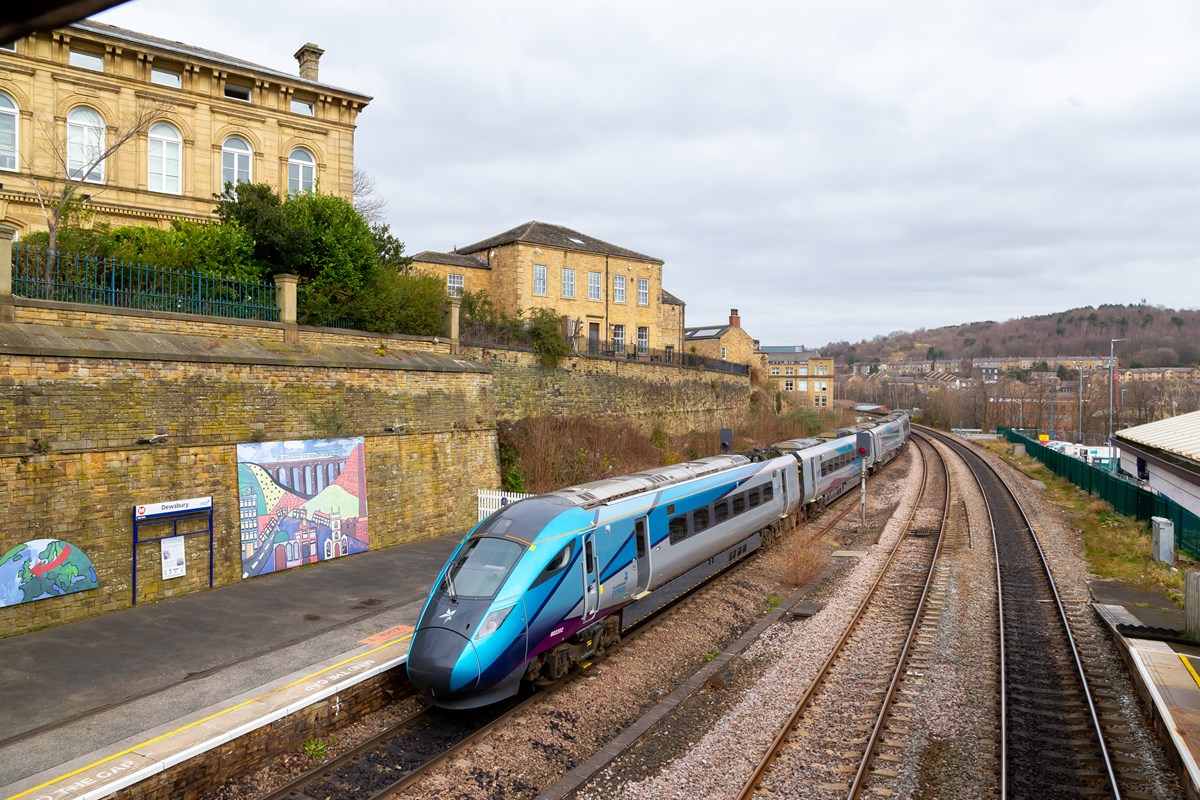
pixel 639 537
pixel 678 528
pixel 768 493
pixel 589 557
pixel 557 564
pixel 699 519
pixel 721 511
pixel 755 498
pixel 739 503
pixel 482 567
pixel 670 509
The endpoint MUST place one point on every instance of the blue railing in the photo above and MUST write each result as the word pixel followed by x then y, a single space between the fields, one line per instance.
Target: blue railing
pixel 76 278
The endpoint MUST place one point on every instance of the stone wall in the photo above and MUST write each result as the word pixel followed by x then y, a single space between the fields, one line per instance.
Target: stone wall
pixel 673 398
pixel 73 469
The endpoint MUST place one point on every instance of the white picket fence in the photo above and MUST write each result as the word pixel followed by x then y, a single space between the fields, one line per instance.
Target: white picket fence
pixel 492 501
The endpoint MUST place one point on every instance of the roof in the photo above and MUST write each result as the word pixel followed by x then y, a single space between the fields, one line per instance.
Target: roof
pixel 199 53
pixel 535 232
pixel 709 332
pixel 1178 435
pixel 451 260
pixel 671 300
pixel 783 348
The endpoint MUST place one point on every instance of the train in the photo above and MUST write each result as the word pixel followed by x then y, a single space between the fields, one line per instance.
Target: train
pixel 550 582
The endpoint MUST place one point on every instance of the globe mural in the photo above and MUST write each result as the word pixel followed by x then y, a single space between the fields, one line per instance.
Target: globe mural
pixel 41 568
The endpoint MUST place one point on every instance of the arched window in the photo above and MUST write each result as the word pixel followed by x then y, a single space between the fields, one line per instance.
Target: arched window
pixel 235 161
pixel 302 171
pixel 85 144
pixel 165 170
pixel 8 132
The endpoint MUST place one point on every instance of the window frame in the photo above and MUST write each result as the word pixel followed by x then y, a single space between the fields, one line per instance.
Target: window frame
pixel 97 172
pixel 643 339
pixel 85 59
pixel 177 75
pixel 568 282
pixel 618 337
pixel 643 291
pixel 13 113
pixel 307 108
pixel 618 288
pixel 302 165
pixel 724 353
pixel 247 154
pixel 237 89
pixel 165 143
pixel 455 288
pixel 595 280
pixel 541 282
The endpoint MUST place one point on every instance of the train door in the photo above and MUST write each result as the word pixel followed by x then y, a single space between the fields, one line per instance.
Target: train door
pixel 641 538
pixel 779 485
pixel 591 577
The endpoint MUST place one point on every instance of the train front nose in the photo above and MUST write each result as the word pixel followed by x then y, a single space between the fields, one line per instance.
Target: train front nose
pixel 443 663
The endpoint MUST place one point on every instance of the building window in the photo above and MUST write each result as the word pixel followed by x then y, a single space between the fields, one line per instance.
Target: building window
pixel 593 286
pixel 165 148
pixel 304 107
pixel 568 283
pixel 8 132
pixel 619 289
pixel 803 371
pixel 643 340
pixel 454 285
pixel 618 338
pixel 166 77
pixel 774 370
pixel 820 369
pixel 302 171
pixel 802 386
pixel 86 60
pixel 788 371
pixel 85 145
pixel 643 291
pixel 539 279
pixel 235 161
pixel 235 92
pixel 724 352
pixel 9 46
pixel 789 386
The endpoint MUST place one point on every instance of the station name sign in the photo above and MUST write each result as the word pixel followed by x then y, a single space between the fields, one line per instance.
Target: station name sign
pixel 146 511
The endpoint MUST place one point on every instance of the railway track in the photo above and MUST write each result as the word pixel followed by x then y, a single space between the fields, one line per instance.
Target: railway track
pixel 840 720
pixel 1052 742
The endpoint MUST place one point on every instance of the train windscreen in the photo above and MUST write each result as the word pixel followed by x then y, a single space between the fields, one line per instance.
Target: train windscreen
pixel 482 567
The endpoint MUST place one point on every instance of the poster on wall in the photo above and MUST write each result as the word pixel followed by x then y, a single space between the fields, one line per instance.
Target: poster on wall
pixel 300 502
pixel 174 558
pixel 42 568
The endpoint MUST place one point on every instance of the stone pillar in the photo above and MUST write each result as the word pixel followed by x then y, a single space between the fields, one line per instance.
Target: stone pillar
pixel 453 308
pixel 285 297
pixel 7 311
pixel 1191 604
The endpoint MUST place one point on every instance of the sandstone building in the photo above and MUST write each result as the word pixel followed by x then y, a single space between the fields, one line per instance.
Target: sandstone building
pixel 206 119
pixel 806 379
pixel 725 342
pixel 612 296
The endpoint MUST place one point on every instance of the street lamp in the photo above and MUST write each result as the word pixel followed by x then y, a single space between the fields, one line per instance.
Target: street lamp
pixel 1080 402
pixel 1111 384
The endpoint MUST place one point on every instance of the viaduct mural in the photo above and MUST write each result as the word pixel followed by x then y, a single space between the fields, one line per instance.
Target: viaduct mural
pixel 300 502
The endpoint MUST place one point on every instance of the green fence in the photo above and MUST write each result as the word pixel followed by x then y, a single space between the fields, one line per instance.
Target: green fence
pixel 77 278
pixel 1117 489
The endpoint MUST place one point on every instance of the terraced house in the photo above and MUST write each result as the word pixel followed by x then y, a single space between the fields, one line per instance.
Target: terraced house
pixel 611 296
pixel 155 128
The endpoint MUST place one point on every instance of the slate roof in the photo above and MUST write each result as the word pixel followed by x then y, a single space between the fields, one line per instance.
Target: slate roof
pixel 706 332
pixel 1178 435
pixel 535 232
pixel 671 300
pixel 187 51
pixel 451 260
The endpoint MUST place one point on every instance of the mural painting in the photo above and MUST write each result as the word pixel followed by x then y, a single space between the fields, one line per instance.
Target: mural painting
pixel 42 568
pixel 300 502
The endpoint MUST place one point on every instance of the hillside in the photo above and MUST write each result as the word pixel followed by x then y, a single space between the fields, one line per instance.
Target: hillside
pixel 1157 337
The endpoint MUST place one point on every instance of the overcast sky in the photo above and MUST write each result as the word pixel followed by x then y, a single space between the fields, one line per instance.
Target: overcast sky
pixel 833 170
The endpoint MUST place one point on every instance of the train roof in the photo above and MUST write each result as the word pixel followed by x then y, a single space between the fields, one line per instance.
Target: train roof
pixel 607 489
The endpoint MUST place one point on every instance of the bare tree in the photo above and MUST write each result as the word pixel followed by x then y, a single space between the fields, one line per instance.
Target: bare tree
pixel 367 199
pixel 78 158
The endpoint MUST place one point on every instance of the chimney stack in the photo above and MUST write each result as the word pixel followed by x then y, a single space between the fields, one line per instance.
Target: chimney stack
pixel 734 320
pixel 309 56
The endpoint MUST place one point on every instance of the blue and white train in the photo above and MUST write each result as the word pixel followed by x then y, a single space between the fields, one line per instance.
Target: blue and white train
pixel 552 581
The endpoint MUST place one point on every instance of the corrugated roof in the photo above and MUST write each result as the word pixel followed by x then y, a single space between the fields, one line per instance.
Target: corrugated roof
pixel 535 232
pixel 1179 435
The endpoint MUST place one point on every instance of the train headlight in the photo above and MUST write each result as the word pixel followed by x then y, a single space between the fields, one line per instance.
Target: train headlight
pixel 492 622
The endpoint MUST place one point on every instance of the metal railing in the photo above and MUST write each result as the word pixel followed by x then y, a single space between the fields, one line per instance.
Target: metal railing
pixel 1120 491
pixel 78 278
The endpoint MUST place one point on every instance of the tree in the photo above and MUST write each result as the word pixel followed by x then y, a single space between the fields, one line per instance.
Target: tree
pixel 367 199
pixel 78 160
pixel 279 242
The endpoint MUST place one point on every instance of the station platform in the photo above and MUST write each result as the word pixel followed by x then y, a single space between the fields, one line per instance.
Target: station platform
pixel 1164 664
pixel 94 706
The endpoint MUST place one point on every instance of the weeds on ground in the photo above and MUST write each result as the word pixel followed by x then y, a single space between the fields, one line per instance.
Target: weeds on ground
pixel 1116 546
pixel 798 561
pixel 316 749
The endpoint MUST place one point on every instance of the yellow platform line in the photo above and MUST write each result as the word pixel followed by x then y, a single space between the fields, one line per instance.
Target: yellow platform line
pixel 1187 663
pixel 220 713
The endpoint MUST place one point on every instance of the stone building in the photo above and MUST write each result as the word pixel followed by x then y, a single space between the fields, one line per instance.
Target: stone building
pixel 804 378
pixel 612 296
pixel 725 342
pixel 199 119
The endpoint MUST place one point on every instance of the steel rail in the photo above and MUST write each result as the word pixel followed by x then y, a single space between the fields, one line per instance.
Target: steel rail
pixel 781 737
